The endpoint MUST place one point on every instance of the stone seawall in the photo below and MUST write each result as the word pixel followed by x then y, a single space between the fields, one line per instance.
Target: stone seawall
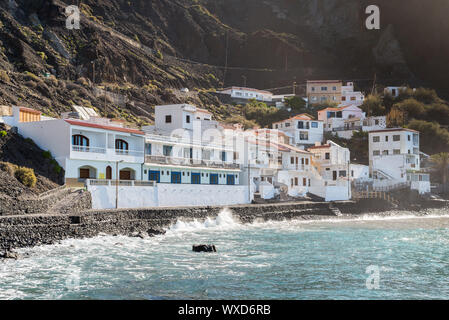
pixel 32 230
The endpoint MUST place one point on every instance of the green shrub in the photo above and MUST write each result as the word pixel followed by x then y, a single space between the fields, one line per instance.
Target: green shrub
pixel 47 155
pixel 4 76
pixel 8 167
pixel 3 133
pixel 26 176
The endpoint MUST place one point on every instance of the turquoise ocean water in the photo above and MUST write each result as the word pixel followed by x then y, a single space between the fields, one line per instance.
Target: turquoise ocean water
pixel 407 257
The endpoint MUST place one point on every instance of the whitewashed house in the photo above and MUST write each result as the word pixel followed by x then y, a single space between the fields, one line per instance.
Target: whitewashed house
pixel 351 97
pixel 248 94
pixel 89 149
pixel 395 160
pixel 344 120
pixel 331 171
pixel 302 129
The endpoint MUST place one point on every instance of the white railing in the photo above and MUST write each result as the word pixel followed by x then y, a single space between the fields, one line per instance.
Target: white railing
pixel 186 141
pixel 133 153
pixel 121 183
pixel 190 162
pixel 88 149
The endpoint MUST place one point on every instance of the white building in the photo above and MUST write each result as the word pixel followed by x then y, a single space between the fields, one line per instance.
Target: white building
pixel 351 97
pixel 394 91
pixel 248 93
pixel 395 160
pixel 93 149
pixel 344 120
pixel 331 163
pixel 302 129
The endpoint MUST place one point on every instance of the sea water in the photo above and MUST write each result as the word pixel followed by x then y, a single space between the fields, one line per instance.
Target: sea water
pixel 394 256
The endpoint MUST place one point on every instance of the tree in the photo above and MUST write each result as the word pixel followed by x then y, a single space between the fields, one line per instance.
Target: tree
pixel 434 139
pixel 297 104
pixel 396 118
pixel 440 163
pixel 373 106
pixel 412 108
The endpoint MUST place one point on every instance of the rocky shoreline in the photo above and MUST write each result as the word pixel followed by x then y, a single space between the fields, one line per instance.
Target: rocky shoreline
pixel 34 230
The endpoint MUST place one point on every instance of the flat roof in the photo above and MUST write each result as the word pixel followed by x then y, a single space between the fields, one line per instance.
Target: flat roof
pixel 394 130
pixel 104 127
pixel 248 89
pixel 29 110
pixel 324 81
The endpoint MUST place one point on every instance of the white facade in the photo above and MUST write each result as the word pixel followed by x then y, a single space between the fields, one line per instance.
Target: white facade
pixel 343 121
pixel 351 97
pixel 248 93
pixel 394 91
pixel 395 159
pixel 303 130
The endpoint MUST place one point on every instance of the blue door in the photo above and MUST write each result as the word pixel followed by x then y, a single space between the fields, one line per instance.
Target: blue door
pixel 196 178
pixel 155 176
pixel 176 177
pixel 214 179
pixel 230 179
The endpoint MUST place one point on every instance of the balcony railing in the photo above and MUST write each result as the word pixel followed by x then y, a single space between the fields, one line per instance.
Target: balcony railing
pixel 190 162
pixel 133 153
pixel 356 128
pixel 88 149
pixel 121 183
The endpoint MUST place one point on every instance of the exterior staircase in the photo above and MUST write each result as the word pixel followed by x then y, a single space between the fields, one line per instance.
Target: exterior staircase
pixel 334 210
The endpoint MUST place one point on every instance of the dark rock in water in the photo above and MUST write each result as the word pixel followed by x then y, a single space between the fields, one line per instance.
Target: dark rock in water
pixel 155 232
pixel 204 248
pixel 10 255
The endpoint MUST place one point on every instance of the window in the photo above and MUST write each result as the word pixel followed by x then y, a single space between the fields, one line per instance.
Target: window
pixel 376 139
pixel 396 138
pixel 187 119
pixel 386 138
pixel 376 122
pixel 327 156
pixel 148 148
pixel 343 98
pixel 79 140
pixel 385 153
pixel 342 174
pixel 223 156
pixel 353 98
pixel 313 89
pixel 323 88
pixel 300 125
pixel 396 151
pixel 334 88
pixel 303 135
pixel 314 124
pixel 276 126
pixel 292 160
pixel 167 150
pixel 376 153
pixel 121 145
pixel 167 119
pixel 287 125
pixel 409 138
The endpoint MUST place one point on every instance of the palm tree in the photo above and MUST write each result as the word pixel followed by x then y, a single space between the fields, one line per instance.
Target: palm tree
pixel 441 164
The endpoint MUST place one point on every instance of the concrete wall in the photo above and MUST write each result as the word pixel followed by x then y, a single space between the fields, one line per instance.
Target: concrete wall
pixel 332 193
pixel 168 195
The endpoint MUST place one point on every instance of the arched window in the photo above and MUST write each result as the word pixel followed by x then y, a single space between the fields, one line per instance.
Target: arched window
pixel 121 144
pixel 79 140
pixel 108 173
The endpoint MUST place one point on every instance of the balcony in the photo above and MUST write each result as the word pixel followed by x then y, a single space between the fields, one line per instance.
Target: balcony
pixel 348 128
pixel 88 149
pixel 190 162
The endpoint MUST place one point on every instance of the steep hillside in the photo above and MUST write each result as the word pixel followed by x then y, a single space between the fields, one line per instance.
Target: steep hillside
pixel 139 50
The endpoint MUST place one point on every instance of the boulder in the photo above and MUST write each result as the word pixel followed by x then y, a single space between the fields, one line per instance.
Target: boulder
pixel 204 248
pixel 10 255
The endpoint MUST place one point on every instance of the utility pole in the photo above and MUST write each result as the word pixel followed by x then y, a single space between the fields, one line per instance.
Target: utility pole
pixel 294 88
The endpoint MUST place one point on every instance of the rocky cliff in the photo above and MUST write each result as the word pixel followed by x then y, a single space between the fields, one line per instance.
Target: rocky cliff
pixel 128 52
